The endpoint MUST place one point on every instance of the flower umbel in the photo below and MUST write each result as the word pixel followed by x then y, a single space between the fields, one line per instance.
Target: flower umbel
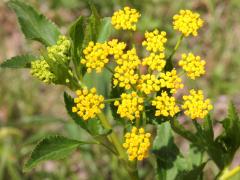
pixel 137 143
pixel 165 105
pixel 41 70
pixel 148 83
pixel 155 41
pixel 88 103
pixel 125 19
pixel 116 48
pixel 155 61
pixel 195 106
pixel 96 56
pixel 124 73
pixel 187 22
pixel 130 106
pixel 60 51
pixel 171 81
pixel 193 65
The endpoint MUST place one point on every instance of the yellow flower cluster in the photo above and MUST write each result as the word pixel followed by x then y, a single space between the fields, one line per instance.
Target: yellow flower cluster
pixel 41 70
pixel 60 50
pixel 58 53
pixel 130 107
pixel 193 65
pixel 137 143
pixel 155 61
pixel 96 56
pixel 116 48
pixel 124 72
pixel 125 19
pixel 187 22
pixel 165 105
pixel 195 106
pixel 155 41
pixel 88 103
pixel 148 83
pixel 171 81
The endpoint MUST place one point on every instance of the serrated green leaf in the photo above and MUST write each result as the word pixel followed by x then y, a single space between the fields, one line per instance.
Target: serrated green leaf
pixel 164 146
pixel 22 61
pixel 77 35
pixel 171 164
pixel 34 25
pixel 230 138
pixel 207 127
pixel 51 148
pixel 166 152
pixel 195 173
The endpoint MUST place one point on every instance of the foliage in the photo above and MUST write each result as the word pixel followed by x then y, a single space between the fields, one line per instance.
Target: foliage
pixel 170 162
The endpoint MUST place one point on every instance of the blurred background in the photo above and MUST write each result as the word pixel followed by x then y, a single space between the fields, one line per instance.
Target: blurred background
pixel 30 110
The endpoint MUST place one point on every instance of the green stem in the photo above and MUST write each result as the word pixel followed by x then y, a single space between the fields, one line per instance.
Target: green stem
pixel 176 47
pixel 226 174
pixel 112 136
pixel 132 170
pixel 144 118
pixel 181 73
pixel 169 63
pixel 111 100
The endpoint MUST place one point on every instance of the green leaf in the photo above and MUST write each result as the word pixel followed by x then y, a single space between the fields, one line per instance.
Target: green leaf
pixel 101 81
pixel 51 148
pixel 230 137
pixel 208 128
pixel 171 164
pixel 34 25
pixel 116 93
pixel 77 35
pixel 195 173
pixel 22 61
pixel 105 30
pixel 166 152
pixel 179 129
pixel 195 155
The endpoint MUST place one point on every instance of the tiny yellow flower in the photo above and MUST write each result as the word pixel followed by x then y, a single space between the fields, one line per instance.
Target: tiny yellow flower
pixel 125 19
pixel 116 48
pixel 96 56
pixel 165 105
pixel 155 61
pixel 88 103
pixel 187 22
pixel 124 72
pixel 41 70
pixel 193 65
pixel 171 81
pixel 137 143
pixel 195 106
pixel 129 106
pixel 148 83
pixel 155 41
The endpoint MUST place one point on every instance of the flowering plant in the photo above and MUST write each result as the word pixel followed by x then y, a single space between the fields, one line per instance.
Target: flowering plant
pixel 139 95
